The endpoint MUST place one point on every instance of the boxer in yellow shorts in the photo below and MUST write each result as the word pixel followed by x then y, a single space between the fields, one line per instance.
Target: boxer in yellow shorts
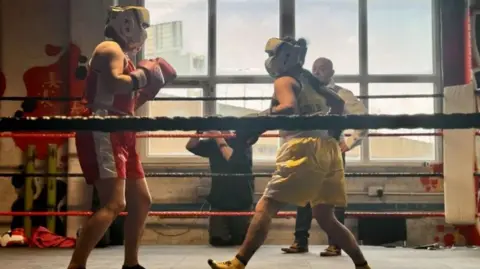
pixel 309 166
pixel 308 170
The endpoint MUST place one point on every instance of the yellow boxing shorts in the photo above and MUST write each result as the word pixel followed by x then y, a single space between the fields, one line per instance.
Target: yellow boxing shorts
pixel 308 170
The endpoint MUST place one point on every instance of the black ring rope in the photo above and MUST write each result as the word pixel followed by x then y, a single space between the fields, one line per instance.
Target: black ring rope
pixel 241 98
pixel 201 174
pixel 114 124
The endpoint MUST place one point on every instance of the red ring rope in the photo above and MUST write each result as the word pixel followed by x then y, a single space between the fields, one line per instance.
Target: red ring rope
pixel 167 135
pixel 190 214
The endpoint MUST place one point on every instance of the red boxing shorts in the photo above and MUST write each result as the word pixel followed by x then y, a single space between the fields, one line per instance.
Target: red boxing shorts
pixel 108 155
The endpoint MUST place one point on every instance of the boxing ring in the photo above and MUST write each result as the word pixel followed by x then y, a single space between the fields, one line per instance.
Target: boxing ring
pixel 460 197
pixel 177 257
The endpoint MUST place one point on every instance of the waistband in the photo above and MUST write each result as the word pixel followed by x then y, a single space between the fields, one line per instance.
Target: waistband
pixel 104 110
pixel 287 135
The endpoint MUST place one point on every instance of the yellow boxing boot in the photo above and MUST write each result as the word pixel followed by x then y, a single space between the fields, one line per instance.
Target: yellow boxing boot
pixel 232 264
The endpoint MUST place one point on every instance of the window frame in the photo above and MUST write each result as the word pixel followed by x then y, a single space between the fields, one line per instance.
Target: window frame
pixel 167 160
pixel 287 27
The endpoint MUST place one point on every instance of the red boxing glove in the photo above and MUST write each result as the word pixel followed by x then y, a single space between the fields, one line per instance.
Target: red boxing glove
pixel 169 73
pixel 151 90
pixel 147 74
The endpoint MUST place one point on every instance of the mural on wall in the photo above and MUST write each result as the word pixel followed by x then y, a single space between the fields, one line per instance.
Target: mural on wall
pixel 450 235
pixel 3 83
pixel 432 184
pixel 55 80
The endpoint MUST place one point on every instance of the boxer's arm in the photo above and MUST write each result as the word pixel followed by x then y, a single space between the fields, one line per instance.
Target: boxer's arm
pixel 284 88
pixel 286 104
pixel 108 61
pixel 334 101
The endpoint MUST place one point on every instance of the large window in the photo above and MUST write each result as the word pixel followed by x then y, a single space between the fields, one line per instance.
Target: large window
pixel 402 147
pixel 243 28
pixel 172 147
pixel 266 147
pixel 219 50
pixel 333 36
pixel 178 33
pixel 400 37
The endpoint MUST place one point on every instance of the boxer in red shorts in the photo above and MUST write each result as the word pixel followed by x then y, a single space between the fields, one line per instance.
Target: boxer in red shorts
pixel 109 161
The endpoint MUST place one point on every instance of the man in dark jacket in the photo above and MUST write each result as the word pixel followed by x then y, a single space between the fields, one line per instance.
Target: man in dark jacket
pixel 227 193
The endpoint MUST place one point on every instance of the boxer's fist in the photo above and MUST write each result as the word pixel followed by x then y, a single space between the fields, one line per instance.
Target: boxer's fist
pixel 149 74
pixel 152 87
pixel 250 135
pixel 169 73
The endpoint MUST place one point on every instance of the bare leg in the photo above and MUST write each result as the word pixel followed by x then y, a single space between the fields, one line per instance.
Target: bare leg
pixel 257 232
pixel 112 199
pixel 478 226
pixel 324 214
pixel 138 205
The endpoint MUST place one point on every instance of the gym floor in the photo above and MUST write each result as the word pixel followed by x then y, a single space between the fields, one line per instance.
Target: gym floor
pixel 179 257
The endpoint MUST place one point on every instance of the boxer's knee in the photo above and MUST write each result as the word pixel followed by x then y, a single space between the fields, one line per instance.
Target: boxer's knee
pixel 268 206
pixel 111 192
pixel 138 193
pixel 116 206
pixel 324 214
pixel 146 199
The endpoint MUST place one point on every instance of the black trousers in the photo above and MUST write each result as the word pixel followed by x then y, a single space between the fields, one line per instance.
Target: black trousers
pixel 303 223
pixel 228 230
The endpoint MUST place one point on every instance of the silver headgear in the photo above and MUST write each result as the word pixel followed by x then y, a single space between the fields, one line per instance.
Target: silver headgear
pixel 126 25
pixel 283 56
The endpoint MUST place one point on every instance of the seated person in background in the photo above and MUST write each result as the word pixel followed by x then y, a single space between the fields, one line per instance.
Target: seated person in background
pixel 233 193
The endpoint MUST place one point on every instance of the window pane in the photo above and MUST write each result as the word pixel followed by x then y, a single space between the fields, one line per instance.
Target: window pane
pixel 243 28
pixel 331 36
pixel 355 153
pixel 400 37
pixel 265 148
pixel 178 33
pixel 173 146
pixel 407 148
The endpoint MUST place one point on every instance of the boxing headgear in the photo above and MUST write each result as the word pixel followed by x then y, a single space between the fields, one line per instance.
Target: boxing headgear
pixel 284 55
pixel 126 25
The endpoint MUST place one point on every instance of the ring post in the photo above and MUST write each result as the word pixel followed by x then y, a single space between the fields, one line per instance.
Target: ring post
pixel 51 185
pixel 29 170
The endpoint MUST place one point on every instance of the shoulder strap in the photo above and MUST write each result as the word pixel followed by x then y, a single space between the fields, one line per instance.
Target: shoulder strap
pixel 337 88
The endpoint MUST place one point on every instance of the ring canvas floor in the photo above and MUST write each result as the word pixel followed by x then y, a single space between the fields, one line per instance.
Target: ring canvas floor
pixel 187 257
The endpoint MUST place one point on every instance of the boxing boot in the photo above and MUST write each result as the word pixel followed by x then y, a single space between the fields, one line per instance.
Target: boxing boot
pixel 331 251
pixel 295 248
pixel 232 264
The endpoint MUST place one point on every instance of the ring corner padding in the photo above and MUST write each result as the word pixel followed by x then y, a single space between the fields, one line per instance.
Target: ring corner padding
pixel 459 159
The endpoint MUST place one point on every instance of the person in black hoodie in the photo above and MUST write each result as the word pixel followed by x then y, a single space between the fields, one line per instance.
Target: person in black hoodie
pixel 227 193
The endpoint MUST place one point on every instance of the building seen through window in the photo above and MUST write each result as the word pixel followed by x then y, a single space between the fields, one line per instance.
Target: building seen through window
pixel 399 39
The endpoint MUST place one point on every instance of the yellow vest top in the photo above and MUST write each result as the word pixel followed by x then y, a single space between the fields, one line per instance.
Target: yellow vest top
pixel 309 102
